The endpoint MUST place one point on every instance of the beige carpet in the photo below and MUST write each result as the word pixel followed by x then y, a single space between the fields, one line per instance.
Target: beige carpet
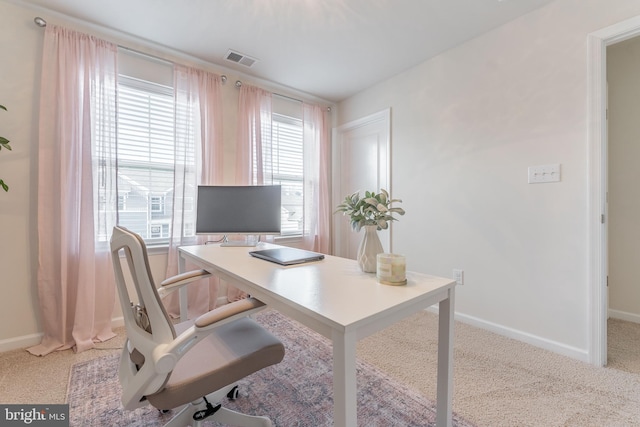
pixel 497 381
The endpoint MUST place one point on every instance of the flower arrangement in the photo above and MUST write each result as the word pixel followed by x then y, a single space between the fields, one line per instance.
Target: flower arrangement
pixel 372 209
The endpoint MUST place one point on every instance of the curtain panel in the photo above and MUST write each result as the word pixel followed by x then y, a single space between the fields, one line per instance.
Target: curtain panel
pixel 254 155
pixel 317 170
pixel 198 160
pixel 253 147
pixel 254 137
pixel 76 175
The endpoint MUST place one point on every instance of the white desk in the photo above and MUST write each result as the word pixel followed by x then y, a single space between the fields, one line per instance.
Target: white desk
pixel 333 297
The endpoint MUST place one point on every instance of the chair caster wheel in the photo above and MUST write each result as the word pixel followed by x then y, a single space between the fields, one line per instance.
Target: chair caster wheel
pixel 233 393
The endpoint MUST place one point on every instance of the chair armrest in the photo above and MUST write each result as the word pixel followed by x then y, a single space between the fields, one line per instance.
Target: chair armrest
pixel 166 356
pixel 228 312
pixel 172 283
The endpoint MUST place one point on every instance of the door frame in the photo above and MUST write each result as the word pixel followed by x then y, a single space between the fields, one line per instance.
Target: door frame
pixel 597 43
pixel 381 119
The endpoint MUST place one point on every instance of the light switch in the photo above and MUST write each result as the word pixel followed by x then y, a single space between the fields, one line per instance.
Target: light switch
pixel 544 173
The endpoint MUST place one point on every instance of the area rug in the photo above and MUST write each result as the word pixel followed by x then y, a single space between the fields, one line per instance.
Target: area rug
pixel 296 392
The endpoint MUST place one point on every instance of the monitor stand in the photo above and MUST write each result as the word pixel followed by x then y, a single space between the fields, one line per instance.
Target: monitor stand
pixel 251 241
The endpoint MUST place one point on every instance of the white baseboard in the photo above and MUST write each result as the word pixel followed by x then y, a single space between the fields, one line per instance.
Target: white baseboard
pixel 117 322
pixel 24 341
pixel 621 315
pixel 556 347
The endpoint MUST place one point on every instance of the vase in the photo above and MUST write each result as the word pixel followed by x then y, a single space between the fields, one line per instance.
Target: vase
pixel 369 249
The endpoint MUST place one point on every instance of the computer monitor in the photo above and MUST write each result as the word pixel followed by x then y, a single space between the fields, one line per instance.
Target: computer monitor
pixel 249 210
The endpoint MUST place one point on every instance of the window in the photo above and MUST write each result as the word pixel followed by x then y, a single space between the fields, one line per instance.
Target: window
pixel 145 157
pixel 287 166
pixel 157 204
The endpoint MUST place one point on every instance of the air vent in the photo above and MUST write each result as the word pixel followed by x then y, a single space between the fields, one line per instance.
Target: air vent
pixel 240 58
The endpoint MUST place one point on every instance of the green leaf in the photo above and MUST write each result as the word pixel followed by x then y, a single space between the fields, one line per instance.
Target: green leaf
pixel 372 209
pixel 4 186
pixel 3 107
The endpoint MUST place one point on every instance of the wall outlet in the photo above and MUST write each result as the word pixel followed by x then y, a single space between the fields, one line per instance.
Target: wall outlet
pixel 458 276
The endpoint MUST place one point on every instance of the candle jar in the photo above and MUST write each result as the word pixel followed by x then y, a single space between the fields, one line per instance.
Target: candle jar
pixel 391 269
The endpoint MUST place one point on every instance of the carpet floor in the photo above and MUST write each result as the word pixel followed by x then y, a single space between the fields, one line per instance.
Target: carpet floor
pixel 296 392
pixel 498 382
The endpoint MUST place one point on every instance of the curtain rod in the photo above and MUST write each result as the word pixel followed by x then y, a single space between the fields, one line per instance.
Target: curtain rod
pixel 239 85
pixel 40 22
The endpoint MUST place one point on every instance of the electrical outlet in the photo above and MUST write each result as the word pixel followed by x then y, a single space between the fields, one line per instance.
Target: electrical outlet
pixel 458 276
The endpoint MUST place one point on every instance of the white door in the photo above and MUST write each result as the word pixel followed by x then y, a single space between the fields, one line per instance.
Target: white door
pixel 361 162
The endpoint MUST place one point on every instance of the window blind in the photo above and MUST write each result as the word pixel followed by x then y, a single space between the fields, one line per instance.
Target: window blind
pixel 145 158
pixel 288 170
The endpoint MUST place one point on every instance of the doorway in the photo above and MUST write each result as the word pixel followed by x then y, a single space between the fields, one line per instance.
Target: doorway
pixel 598 174
pixel 623 228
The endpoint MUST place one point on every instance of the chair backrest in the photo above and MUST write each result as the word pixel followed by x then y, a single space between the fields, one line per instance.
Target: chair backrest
pixel 146 321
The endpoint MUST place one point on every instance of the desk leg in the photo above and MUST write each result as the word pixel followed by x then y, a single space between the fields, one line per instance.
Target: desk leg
pixel 344 380
pixel 445 361
pixel 182 292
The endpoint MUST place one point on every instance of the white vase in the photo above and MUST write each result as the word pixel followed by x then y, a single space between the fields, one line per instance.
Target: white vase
pixel 369 248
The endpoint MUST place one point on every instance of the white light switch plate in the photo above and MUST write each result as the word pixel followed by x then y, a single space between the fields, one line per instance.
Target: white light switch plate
pixel 544 173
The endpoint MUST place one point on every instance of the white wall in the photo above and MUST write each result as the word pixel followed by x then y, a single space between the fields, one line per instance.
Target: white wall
pixel 21 50
pixel 623 76
pixel 465 127
pixel 20 47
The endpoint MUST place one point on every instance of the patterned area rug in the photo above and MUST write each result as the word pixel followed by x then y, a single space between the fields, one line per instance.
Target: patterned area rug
pixel 296 392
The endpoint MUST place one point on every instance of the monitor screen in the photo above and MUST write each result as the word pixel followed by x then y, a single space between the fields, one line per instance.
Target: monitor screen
pixel 252 209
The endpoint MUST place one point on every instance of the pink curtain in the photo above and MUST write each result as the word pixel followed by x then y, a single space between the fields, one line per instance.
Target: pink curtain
pixel 76 172
pixel 317 169
pixel 254 137
pixel 253 148
pixel 198 160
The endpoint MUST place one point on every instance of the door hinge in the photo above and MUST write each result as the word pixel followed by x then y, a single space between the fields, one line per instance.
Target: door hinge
pixel 602 219
pixel 607 281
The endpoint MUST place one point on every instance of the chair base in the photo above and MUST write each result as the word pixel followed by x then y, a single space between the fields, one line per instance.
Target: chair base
pixel 222 415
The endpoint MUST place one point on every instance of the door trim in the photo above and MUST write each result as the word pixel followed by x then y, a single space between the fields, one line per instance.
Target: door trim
pixel 597 43
pixel 382 118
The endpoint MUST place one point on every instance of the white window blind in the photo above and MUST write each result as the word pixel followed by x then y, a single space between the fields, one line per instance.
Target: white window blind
pixel 145 158
pixel 288 170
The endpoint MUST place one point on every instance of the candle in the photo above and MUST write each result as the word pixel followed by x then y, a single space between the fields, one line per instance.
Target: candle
pixel 391 269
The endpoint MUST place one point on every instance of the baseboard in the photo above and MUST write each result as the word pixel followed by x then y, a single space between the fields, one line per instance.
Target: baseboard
pixel 556 347
pixel 117 322
pixel 621 315
pixel 24 341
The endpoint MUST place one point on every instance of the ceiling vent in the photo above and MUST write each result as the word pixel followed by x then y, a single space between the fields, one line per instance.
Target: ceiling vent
pixel 240 58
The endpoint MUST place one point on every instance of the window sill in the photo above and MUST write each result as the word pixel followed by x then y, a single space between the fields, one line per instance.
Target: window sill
pixel 163 249
pixel 288 240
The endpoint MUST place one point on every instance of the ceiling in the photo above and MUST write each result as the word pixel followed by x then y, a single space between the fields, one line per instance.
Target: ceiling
pixel 331 49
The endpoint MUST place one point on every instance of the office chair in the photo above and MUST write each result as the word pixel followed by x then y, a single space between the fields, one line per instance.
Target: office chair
pixel 194 363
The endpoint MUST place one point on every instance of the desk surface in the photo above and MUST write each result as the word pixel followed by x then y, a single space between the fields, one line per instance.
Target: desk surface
pixel 333 290
pixel 338 300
